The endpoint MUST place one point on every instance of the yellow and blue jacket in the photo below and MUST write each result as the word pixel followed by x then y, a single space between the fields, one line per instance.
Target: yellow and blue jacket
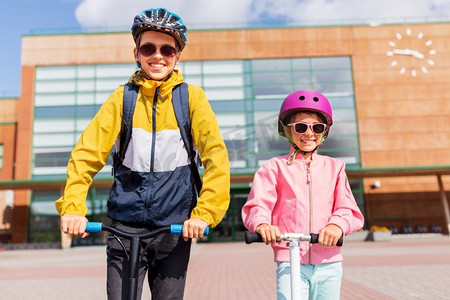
pixel 153 186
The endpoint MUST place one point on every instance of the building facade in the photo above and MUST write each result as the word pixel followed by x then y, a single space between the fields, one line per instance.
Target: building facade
pixel 389 87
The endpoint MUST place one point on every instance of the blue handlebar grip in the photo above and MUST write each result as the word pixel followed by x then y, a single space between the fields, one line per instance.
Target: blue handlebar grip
pixel 94 226
pixel 178 229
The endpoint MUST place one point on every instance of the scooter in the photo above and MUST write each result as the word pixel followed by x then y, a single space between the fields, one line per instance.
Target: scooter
pixel 294 240
pixel 135 248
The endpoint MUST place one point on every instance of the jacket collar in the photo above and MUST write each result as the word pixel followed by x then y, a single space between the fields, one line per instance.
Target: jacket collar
pixel 299 156
pixel 148 86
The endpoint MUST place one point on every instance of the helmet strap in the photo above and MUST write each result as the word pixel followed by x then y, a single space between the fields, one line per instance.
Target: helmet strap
pixel 304 152
pixel 292 157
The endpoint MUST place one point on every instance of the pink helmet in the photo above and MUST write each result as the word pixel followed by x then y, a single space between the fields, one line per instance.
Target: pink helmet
pixel 305 100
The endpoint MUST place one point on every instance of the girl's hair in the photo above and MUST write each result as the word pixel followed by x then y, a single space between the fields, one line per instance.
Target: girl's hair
pixel 290 117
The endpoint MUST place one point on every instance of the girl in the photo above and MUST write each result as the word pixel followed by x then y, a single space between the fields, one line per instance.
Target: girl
pixel 304 192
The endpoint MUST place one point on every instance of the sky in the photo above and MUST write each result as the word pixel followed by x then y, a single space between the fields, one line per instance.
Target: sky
pixel 25 17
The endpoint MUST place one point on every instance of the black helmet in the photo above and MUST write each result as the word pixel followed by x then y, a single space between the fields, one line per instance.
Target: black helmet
pixel 160 19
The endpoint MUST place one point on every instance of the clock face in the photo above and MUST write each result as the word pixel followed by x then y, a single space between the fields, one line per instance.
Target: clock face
pixel 411 53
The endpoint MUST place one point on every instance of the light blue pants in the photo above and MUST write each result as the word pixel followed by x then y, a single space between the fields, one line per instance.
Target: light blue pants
pixel 318 281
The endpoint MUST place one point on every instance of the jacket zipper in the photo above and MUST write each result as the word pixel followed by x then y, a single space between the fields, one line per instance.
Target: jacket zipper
pixel 152 152
pixel 308 182
pixel 152 156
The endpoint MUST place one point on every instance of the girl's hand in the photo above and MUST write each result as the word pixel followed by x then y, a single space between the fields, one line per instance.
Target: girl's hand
pixel 269 233
pixel 330 235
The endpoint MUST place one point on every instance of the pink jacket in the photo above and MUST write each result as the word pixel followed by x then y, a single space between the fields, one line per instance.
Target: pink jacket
pixel 303 199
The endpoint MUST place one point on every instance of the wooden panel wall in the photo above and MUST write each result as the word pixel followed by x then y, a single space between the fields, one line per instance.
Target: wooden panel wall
pixel 7 139
pixel 403 120
pixel 7 136
pixel 404 209
pixel 23 160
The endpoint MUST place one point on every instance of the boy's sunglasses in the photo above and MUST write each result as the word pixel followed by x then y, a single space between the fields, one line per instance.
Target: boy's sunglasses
pixel 317 128
pixel 150 49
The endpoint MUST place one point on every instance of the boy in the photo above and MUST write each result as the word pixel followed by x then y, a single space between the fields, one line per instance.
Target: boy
pixel 153 186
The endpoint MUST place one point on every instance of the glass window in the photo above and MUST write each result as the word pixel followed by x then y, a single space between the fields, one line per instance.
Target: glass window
pixel 85 98
pixel 43 99
pixel 224 94
pixel 340 100
pixel 302 78
pixel 191 68
pixel 60 86
pixel 54 112
pixel 271 65
pixel 227 120
pixel 274 79
pixel 55 139
pixel 51 73
pixel 335 76
pixel 344 114
pixel 222 67
pixel 85 111
pixel 275 91
pixel 223 81
pixel 85 72
pixel 224 106
pixel 68 97
pixel 50 159
pixel 318 63
pixel 301 64
pixel 118 71
pixel 85 85
pixel 194 79
pixel 108 85
pixel 47 125
pixel 326 87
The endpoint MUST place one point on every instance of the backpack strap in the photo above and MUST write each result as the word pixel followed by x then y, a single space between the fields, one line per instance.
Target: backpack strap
pixel 180 101
pixel 130 93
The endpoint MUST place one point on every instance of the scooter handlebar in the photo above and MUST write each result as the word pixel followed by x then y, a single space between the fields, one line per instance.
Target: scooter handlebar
pixel 174 228
pixel 178 229
pixel 253 237
pixel 94 226
pixel 315 239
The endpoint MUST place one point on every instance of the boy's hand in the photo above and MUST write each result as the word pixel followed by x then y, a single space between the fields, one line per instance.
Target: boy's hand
pixel 329 235
pixel 269 233
pixel 74 224
pixel 193 228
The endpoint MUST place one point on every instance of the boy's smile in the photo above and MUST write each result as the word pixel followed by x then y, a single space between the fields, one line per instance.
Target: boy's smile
pixel 157 65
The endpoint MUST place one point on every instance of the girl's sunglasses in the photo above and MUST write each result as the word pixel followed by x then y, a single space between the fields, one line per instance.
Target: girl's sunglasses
pixel 150 49
pixel 317 128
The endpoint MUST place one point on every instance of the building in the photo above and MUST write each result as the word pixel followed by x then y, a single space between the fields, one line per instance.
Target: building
pixel 389 86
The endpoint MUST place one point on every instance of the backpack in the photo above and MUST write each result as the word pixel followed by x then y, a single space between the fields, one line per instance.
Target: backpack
pixel 180 101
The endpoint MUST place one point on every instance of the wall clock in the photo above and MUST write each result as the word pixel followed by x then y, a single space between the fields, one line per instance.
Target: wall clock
pixel 411 53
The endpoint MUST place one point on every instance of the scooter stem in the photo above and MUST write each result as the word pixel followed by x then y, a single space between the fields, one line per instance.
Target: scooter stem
pixel 294 253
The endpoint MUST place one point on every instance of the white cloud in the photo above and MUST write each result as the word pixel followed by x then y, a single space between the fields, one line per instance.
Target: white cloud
pixel 119 14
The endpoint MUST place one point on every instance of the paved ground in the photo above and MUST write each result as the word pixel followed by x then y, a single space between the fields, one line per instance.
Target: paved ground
pixel 414 268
